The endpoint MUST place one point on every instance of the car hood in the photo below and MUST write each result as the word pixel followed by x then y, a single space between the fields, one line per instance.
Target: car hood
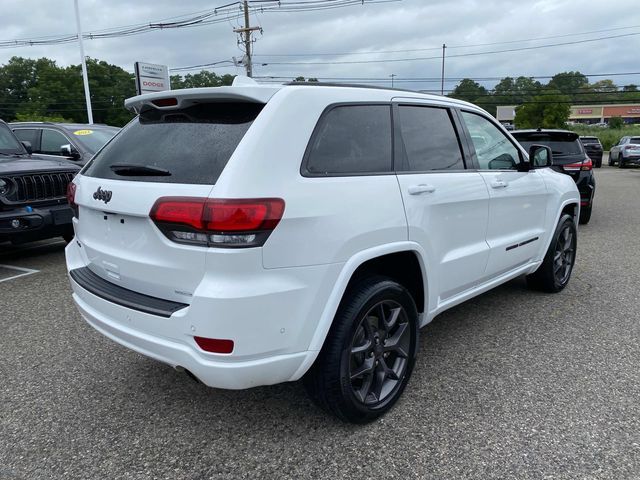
pixel 17 164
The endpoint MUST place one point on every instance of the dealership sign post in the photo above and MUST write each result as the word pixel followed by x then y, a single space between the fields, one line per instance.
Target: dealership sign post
pixel 151 78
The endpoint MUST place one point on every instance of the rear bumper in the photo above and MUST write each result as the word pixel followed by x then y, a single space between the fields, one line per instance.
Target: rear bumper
pixel 214 373
pixel 631 160
pixel 26 224
pixel 271 316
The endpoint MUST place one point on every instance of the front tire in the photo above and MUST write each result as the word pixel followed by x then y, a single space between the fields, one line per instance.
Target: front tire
pixel 369 353
pixel 555 271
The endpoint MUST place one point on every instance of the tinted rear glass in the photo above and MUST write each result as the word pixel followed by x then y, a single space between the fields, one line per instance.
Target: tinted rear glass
pixel 352 139
pixel 635 140
pixel 560 145
pixel 194 144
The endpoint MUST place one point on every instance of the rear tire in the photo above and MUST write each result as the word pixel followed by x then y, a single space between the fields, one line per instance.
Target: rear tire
pixel 620 163
pixel 368 356
pixel 585 215
pixel 555 271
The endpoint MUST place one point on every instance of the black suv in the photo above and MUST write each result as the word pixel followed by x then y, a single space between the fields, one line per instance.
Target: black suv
pixel 569 157
pixel 593 147
pixel 33 203
pixel 73 141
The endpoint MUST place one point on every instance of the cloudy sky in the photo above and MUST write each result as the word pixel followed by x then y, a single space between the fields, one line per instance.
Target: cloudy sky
pixel 408 31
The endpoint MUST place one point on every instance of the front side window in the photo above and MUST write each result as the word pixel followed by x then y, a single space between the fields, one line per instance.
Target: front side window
pixel 493 148
pixel 352 139
pixel 430 139
pixel 52 142
pixel 30 135
pixel 8 142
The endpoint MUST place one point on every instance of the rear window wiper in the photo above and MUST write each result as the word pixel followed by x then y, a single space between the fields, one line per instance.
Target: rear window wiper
pixel 135 169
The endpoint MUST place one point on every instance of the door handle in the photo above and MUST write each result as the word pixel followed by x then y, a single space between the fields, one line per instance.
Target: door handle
pixel 499 184
pixel 420 189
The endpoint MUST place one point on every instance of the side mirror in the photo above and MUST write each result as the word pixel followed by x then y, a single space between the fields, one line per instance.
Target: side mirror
pixel 27 146
pixel 540 156
pixel 68 151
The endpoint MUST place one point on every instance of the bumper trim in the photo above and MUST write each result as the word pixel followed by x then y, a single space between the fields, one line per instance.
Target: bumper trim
pixel 91 282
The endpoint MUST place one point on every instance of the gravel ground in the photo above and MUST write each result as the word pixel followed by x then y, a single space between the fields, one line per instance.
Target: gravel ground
pixel 512 384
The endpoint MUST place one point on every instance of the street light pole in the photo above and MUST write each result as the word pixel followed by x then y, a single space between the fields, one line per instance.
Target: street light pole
pixel 444 48
pixel 85 79
pixel 393 75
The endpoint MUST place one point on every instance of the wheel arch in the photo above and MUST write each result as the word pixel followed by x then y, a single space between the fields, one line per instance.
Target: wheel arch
pixel 378 260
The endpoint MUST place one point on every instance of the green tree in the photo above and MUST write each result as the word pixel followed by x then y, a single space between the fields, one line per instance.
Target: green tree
pixel 204 78
pixel 550 109
pixel 573 84
pixel 616 122
pixel 468 90
pixel 630 88
pixel 511 91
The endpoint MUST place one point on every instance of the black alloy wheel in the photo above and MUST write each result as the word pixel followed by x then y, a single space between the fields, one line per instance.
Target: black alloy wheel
pixel 379 353
pixel 369 353
pixel 555 271
pixel 564 255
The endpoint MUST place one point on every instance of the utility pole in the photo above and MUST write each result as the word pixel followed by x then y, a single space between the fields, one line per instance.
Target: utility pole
pixel 444 48
pixel 85 79
pixel 245 37
pixel 393 75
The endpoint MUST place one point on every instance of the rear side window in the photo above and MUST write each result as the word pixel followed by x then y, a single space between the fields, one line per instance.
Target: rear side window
pixel 430 139
pixel 193 144
pixel 352 139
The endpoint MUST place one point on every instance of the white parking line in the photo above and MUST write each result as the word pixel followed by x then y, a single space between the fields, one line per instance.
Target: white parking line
pixel 25 271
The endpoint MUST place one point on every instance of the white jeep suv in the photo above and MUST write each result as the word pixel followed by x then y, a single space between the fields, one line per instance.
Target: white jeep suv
pixel 252 235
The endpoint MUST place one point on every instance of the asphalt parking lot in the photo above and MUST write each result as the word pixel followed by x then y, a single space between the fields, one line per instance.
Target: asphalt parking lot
pixel 512 384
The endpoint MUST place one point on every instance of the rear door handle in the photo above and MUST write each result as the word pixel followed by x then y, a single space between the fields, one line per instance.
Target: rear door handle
pixel 420 189
pixel 499 184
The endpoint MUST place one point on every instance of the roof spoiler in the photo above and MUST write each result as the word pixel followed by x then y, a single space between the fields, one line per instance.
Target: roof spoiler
pixel 244 89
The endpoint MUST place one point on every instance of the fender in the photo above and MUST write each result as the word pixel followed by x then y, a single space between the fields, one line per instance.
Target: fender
pixel 331 307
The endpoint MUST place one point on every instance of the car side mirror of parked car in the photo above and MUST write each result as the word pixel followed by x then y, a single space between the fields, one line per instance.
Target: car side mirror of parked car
pixel 540 156
pixel 27 146
pixel 68 151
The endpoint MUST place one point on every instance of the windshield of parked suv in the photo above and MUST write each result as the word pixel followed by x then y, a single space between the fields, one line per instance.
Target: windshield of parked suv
pixel 8 141
pixel 93 138
pixel 191 145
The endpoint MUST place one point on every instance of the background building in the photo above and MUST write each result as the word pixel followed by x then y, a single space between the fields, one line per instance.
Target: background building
pixel 587 114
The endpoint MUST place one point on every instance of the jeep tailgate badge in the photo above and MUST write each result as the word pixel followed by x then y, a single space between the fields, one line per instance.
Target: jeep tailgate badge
pixel 104 195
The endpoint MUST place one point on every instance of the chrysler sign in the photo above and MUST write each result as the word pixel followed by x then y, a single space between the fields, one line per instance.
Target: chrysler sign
pixel 151 78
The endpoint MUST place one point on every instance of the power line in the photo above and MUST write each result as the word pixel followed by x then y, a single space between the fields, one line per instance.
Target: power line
pixel 472 54
pixel 382 52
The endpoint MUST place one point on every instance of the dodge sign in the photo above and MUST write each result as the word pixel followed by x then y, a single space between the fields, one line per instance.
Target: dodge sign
pixel 151 78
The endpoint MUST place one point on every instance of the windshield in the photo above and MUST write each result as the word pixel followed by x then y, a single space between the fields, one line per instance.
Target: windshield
pixel 8 141
pixel 93 139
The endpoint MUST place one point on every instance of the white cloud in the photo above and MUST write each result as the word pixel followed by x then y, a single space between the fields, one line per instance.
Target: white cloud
pixel 406 25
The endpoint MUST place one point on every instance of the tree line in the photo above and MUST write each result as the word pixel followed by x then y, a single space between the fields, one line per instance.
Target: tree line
pixel 545 105
pixel 41 90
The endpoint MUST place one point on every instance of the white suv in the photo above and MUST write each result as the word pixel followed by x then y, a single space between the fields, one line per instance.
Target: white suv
pixel 252 235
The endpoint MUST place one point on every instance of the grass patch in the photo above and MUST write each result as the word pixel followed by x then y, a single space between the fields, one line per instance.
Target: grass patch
pixel 608 136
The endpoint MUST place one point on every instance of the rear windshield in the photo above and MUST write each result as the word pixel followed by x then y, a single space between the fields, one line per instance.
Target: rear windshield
pixel 589 140
pixel 634 140
pixel 560 145
pixel 192 145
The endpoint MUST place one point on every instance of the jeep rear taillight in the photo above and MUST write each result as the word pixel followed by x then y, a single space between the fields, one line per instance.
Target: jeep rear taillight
pixel 586 164
pixel 71 198
pixel 234 223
